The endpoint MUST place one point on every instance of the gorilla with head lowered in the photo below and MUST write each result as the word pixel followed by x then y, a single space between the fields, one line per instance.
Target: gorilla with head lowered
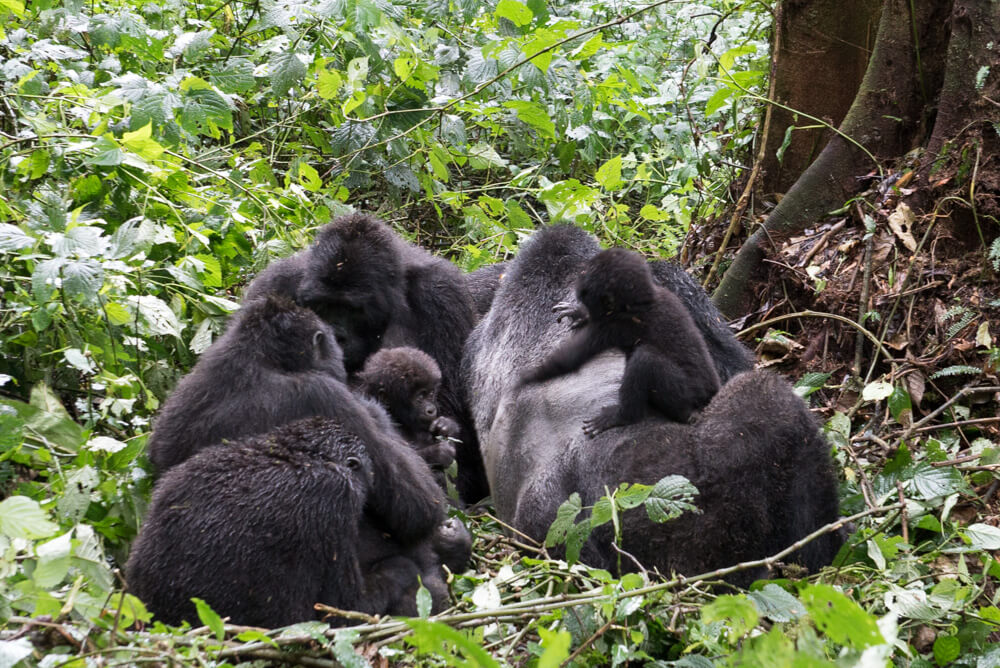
pixel 376 290
pixel 755 454
pixel 265 527
pixel 277 363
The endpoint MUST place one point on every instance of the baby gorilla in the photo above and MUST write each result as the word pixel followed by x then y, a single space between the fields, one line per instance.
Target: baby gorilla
pixel 620 307
pixel 406 381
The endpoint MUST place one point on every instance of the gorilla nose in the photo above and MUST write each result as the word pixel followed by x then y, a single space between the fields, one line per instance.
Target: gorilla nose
pixel 431 410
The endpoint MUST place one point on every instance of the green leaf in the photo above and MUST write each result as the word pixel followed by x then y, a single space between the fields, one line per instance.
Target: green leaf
pixel 575 538
pixel 309 177
pixel 343 649
pixel 935 482
pixel 876 391
pixel 777 604
pixel 210 618
pixel 533 114
pixel 556 646
pixel 809 383
pixel 204 112
pixel 12 652
pixel 609 175
pixel 155 317
pixel 21 517
pixel 12 238
pixel 670 497
pixel 588 48
pixel 441 640
pixel 565 517
pixel 236 76
pixel 983 536
pixel 14 6
pixel 840 618
pixel 328 84
pixel 631 496
pixel 107 153
pixel 899 403
pixel 718 99
pixel 946 650
pixel 256 636
pixel 53 561
pixel 287 70
pixel 514 11
pixel 140 142
pixel 737 611
pixel 423 602
pixel 602 512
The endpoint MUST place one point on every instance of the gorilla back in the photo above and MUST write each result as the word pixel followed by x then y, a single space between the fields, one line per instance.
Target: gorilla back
pixel 762 469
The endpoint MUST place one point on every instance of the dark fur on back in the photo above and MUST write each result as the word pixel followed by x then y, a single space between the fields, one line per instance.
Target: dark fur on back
pixel 276 362
pixel 483 284
pixel 376 290
pixel 621 308
pixel 264 527
pixel 755 454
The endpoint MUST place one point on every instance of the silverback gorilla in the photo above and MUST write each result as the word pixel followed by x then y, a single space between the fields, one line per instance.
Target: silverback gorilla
pixel 376 290
pixel 265 527
pixel 755 454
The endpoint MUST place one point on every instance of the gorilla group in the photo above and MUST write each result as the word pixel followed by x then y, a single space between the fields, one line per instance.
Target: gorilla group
pixel 755 454
pixel 301 460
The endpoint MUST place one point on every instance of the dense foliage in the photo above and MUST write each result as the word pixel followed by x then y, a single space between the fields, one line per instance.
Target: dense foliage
pixel 154 156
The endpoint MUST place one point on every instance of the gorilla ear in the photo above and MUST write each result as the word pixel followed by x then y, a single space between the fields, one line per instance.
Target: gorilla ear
pixel 321 347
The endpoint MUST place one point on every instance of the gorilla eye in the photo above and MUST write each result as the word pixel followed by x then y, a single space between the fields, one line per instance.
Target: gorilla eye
pixel 353 463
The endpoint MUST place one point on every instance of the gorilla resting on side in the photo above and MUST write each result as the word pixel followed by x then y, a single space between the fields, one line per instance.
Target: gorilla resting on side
pixel 755 454
pixel 265 527
pixel 376 290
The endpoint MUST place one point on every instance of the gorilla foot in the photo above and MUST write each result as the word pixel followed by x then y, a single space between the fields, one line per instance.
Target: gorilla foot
pixel 609 417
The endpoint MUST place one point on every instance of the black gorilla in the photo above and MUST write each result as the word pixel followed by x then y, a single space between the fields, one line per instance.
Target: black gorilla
pixel 761 466
pixel 483 284
pixel 620 307
pixel 406 381
pixel 276 362
pixel 376 290
pixel 264 527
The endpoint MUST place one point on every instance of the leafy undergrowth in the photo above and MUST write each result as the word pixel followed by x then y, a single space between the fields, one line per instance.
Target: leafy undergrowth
pixel 153 156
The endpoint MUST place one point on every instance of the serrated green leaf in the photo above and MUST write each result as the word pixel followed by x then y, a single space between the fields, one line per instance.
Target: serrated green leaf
pixel 210 618
pixel 205 111
pixel 983 536
pixel 236 76
pixel 565 517
pixel 935 482
pixel 670 497
pixel 737 611
pixel 575 538
pixel 106 153
pixel 514 11
pixel 602 512
pixel 809 383
pixel 946 650
pixel 309 177
pixel 631 496
pixel 609 175
pixel 535 115
pixel 53 561
pixel 840 618
pixel 21 517
pixel 777 604
pixel 328 84
pixel 155 317
pixel 13 238
pixel 287 70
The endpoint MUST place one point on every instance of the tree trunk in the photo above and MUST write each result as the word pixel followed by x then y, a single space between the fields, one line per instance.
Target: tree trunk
pixel 889 116
pixel 820 57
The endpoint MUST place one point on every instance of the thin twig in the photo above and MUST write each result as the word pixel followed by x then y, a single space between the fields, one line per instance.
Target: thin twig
pixel 903 520
pixel 586 643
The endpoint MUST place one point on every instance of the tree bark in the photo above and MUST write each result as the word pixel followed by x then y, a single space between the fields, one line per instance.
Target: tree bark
pixel 820 61
pixel 886 119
